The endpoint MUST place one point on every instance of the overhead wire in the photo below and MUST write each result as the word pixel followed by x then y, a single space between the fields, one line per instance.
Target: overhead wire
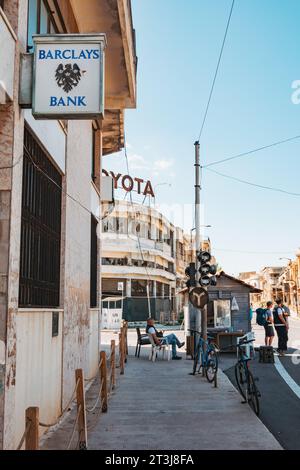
pixel 250 152
pixel 254 252
pixel 138 235
pixel 63 190
pixel 216 71
pixel 10 167
pixel 249 183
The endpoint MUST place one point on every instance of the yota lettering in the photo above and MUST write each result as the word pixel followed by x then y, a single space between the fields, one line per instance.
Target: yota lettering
pixel 78 101
pixel 128 183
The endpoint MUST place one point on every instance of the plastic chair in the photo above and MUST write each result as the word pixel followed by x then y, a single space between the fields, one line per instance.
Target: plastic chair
pixel 155 349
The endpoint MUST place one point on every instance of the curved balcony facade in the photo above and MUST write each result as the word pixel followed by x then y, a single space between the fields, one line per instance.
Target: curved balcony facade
pixel 139 260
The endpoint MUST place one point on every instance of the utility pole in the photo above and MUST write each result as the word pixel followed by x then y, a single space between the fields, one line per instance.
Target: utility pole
pixel 197 222
pixel 203 315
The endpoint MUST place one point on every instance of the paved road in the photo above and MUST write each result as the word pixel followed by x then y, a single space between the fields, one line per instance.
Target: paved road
pixel 280 406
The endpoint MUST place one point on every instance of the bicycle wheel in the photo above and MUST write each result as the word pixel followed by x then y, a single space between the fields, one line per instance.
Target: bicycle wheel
pixel 211 368
pixel 253 394
pixel 241 378
pixel 197 358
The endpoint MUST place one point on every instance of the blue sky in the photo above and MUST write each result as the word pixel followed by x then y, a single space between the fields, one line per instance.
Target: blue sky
pixel 178 42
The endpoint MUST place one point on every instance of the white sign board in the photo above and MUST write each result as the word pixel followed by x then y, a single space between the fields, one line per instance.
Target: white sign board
pixel 68 76
pixel 111 319
pixel 120 286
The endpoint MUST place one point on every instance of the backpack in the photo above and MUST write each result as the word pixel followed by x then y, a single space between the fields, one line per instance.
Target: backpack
pixel 261 317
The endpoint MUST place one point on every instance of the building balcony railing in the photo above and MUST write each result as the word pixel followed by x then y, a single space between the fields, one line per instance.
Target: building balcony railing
pixel 8 41
pixel 124 271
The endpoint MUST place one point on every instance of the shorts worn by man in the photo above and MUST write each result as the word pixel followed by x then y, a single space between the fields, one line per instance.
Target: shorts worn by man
pixel 269 325
pixel 160 340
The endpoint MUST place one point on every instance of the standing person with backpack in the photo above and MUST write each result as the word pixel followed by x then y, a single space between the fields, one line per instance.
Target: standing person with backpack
pixel 281 326
pixel 270 333
pixel 264 317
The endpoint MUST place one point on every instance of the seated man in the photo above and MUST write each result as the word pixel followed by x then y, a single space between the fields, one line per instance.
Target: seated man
pixel 159 339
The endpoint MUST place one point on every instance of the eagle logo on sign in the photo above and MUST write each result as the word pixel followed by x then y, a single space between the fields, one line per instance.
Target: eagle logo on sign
pixel 68 76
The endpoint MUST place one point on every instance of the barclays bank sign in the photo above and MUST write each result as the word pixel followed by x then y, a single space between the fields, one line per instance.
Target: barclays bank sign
pixel 68 76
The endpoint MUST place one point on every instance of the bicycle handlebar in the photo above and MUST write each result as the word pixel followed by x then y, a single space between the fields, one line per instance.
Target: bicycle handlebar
pixel 238 345
pixel 199 333
pixel 245 342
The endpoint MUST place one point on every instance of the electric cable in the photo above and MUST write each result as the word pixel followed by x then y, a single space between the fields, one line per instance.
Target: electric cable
pixel 64 191
pixel 255 252
pixel 216 72
pixel 249 183
pixel 138 235
pixel 250 152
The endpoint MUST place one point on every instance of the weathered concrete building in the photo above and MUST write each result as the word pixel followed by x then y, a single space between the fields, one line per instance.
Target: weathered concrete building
pixel 143 258
pixel 288 285
pixel 267 281
pixel 50 174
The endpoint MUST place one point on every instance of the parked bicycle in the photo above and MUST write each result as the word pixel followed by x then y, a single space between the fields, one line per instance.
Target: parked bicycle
pixel 205 356
pixel 244 378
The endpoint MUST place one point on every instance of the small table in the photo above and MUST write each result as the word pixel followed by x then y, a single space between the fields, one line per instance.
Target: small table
pixel 228 341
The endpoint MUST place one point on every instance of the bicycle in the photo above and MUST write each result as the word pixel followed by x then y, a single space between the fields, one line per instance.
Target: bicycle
pixel 205 357
pixel 244 378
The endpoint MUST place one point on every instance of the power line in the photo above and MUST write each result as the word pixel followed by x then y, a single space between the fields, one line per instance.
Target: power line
pixel 244 154
pixel 249 183
pixel 255 252
pixel 62 190
pixel 132 205
pixel 216 72
pixel 9 167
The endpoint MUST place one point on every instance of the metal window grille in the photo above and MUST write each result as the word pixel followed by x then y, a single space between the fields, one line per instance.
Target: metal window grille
pixel 40 228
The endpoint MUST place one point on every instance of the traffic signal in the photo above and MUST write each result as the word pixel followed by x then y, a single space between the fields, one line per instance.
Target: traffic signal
pixel 207 271
pixel 190 272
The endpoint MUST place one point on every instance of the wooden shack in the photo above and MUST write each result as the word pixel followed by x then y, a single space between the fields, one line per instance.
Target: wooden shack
pixel 229 304
pixel 228 312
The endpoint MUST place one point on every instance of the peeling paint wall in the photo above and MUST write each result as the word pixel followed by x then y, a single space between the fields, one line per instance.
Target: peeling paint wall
pixel 77 253
pixel 38 369
pixel 92 367
pixel 11 150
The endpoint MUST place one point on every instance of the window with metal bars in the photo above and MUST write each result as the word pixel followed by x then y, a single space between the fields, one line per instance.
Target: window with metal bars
pixel 40 228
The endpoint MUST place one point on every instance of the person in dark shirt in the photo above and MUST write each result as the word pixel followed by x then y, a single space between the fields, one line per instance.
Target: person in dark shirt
pixel 281 326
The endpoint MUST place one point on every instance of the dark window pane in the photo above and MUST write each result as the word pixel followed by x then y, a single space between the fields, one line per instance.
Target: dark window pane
pixel 32 22
pixel 40 228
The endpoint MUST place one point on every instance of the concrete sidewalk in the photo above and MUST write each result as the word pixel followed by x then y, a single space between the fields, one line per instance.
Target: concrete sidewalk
pixel 159 406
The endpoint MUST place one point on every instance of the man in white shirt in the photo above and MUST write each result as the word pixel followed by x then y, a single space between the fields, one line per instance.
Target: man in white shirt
pixel 269 336
pixel 159 339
